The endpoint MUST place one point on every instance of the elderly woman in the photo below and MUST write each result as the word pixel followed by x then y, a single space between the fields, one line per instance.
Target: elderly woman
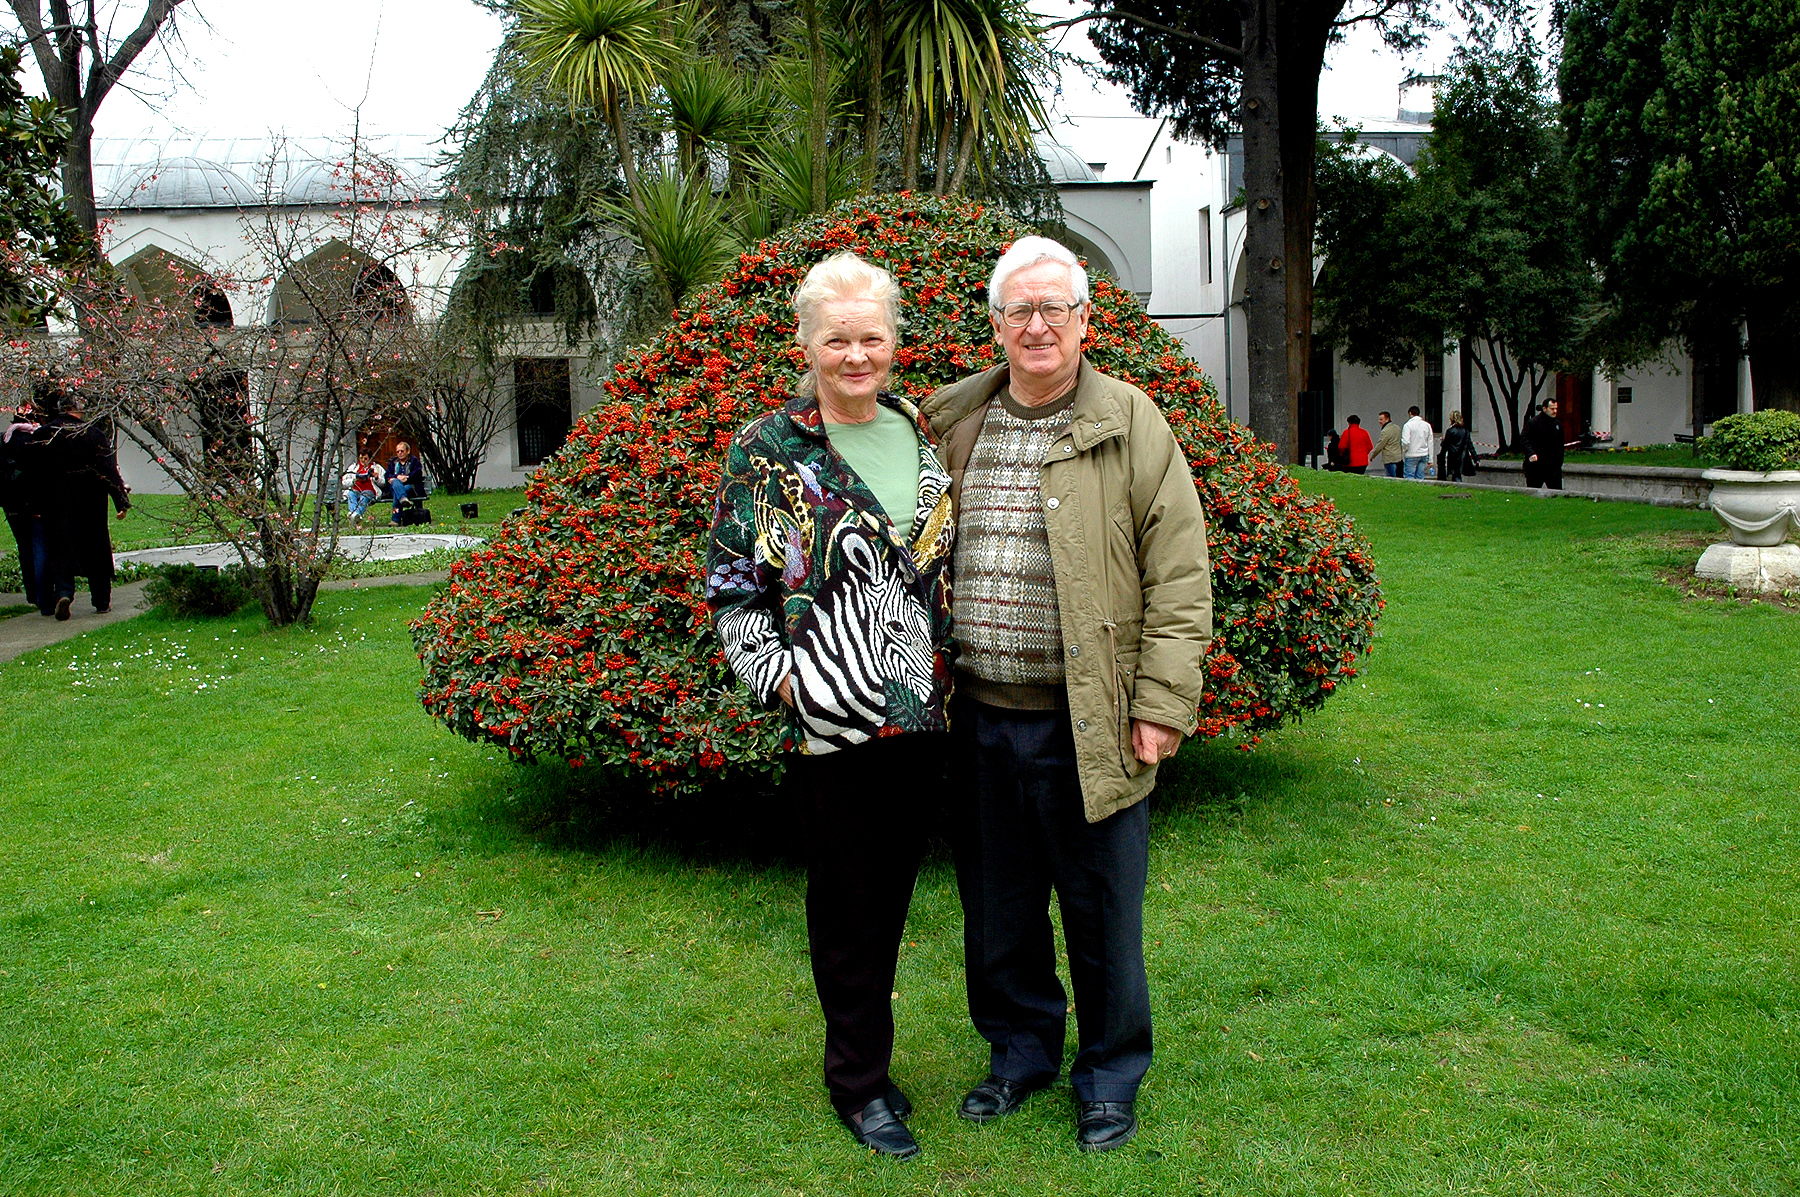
pixel 826 574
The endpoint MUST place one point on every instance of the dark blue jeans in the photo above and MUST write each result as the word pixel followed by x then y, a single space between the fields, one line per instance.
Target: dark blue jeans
pixel 34 558
pixel 1020 832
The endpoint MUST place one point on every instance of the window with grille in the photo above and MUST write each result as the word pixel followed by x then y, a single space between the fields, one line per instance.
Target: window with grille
pixel 542 406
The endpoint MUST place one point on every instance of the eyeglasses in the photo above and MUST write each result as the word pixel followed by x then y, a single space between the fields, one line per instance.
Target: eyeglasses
pixel 1056 313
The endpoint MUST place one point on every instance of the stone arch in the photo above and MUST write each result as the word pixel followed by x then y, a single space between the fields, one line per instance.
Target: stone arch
pixel 153 274
pixel 344 280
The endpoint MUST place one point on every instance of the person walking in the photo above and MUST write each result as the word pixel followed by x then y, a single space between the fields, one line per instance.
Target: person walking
pixel 80 473
pixel 828 577
pixel 21 495
pixel 1083 615
pixel 1457 450
pixel 1355 446
pixel 1544 449
pixel 1416 439
pixel 1388 452
pixel 1334 452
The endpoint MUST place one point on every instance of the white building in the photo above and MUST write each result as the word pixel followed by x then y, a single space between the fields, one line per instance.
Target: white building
pixel 1182 237
pixel 187 206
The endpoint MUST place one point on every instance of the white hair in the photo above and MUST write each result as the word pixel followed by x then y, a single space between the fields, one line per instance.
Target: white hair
pixel 1027 252
pixel 844 276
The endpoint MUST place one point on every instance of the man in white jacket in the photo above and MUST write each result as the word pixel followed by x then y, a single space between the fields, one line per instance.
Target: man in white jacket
pixel 1415 443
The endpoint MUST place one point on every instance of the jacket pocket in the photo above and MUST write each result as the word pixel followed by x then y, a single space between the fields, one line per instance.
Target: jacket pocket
pixel 1124 676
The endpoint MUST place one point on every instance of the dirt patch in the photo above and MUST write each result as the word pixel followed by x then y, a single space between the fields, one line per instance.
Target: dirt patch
pixel 1670 558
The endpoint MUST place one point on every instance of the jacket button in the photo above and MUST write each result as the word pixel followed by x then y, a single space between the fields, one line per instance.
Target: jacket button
pixel 1068 448
pixel 1074 650
pixel 1081 725
pixel 1053 502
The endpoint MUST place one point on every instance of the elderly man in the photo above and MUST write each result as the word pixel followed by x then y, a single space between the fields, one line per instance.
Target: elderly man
pixel 1083 610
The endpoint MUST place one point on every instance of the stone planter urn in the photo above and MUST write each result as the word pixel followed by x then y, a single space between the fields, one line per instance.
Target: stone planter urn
pixel 1761 511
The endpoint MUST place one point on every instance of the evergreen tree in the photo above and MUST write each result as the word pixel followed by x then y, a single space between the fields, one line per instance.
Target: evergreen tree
pixel 1683 119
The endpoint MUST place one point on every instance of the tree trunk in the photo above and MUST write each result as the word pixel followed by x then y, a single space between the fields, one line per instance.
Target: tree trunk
pixel 945 135
pixel 1775 357
pixel 909 169
pixel 1303 41
pixel 78 178
pixel 964 154
pixel 872 118
pixel 821 85
pixel 1273 414
pixel 615 114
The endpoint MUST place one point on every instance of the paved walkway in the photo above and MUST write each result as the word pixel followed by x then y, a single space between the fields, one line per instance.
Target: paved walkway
pixel 392 546
pixel 25 633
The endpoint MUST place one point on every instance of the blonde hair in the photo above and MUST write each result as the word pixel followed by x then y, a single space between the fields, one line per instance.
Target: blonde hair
pixel 1456 417
pixel 842 276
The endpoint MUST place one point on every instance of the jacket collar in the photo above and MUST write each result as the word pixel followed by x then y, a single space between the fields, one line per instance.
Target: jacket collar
pixel 804 411
pixel 1097 414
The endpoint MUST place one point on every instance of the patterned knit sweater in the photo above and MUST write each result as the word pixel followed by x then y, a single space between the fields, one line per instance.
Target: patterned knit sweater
pixel 1007 623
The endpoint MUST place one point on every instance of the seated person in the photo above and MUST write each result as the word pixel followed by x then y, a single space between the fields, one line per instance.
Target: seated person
pixel 362 483
pixel 406 478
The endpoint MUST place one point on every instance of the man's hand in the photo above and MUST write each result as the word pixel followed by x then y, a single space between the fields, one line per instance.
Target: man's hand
pixel 1152 741
pixel 122 512
pixel 786 689
pixel 1533 457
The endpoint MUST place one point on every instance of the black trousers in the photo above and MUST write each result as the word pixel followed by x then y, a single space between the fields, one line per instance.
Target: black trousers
pixel 1542 474
pixel 1023 832
pixel 862 810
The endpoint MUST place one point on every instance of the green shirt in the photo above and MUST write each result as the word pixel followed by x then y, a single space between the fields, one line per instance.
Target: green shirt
pixel 885 455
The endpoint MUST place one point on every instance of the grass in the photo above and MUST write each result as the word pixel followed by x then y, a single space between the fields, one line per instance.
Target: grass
pixel 1515 914
pixel 1678 456
pixel 159 521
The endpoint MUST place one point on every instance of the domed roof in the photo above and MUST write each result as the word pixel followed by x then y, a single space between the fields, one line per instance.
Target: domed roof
pixel 1063 163
pixel 181 183
pixel 322 182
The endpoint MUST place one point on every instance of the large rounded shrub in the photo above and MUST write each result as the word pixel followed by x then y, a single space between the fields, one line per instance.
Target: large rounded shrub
pixel 581 631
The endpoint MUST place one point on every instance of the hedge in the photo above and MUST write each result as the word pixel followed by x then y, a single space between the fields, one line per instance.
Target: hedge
pixel 581 631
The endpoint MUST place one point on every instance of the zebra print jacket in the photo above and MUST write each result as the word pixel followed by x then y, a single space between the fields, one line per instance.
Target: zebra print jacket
pixel 806 576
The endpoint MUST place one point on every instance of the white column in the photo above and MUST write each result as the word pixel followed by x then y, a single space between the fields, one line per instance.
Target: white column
pixel 1606 395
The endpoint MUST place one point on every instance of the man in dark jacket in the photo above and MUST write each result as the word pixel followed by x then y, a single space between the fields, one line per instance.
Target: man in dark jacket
pixel 80 474
pixel 1544 448
pixel 406 478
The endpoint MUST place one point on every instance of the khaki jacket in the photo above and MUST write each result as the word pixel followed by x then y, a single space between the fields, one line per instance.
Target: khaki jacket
pixel 1128 548
pixel 1387 446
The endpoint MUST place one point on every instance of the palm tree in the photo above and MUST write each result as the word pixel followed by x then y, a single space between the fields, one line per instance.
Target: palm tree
pixel 973 64
pixel 601 53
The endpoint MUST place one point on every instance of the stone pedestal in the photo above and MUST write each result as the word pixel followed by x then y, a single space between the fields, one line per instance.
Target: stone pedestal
pixel 1776 567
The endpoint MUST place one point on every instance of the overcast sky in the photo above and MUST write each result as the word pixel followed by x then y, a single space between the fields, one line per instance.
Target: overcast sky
pixel 252 66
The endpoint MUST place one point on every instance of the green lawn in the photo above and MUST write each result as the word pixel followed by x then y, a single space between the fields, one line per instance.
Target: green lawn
pixel 1679 456
pixel 157 521
pixel 1515 914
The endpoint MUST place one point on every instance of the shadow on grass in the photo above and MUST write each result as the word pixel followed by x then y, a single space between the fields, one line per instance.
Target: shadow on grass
pixel 740 821
pixel 751 822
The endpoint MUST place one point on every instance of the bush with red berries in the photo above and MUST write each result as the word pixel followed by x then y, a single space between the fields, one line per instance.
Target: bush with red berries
pixel 581 631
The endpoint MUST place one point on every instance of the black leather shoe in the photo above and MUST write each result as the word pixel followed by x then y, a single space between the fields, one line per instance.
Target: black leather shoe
pixel 899 1102
pixel 1104 1125
pixel 62 608
pixel 996 1097
pixel 878 1128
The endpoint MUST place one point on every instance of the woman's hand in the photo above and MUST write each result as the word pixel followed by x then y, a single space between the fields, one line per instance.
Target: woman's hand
pixel 786 689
